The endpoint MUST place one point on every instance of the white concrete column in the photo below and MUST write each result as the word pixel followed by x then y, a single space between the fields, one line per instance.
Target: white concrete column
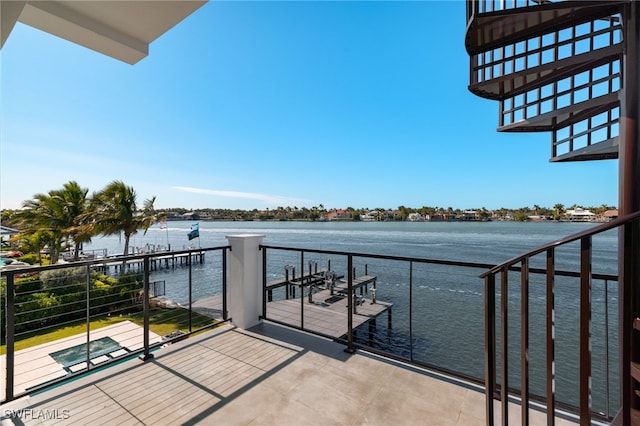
pixel 245 280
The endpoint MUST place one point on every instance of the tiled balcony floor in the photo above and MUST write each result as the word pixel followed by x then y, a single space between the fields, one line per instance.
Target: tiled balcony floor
pixel 269 375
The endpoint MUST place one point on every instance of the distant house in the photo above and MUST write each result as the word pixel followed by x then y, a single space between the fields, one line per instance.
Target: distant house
pixel 469 215
pixel 610 215
pixel 368 216
pixel 173 215
pixel 190 216
pixel 580 215
pixel 442 215
pixel 389 215
pixel 339 215
pixel 415 217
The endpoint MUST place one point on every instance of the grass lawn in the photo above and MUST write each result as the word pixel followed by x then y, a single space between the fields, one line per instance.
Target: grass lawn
pixel 161 322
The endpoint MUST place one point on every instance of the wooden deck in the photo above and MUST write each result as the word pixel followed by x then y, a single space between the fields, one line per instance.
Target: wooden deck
pixel 34 365
pixel 269 375
pixel 328 314
pixel 327 311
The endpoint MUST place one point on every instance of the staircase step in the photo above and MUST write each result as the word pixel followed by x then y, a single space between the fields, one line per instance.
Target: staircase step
pixel 605 150
pixel 495 29
pixel 504 86
pixel 563 117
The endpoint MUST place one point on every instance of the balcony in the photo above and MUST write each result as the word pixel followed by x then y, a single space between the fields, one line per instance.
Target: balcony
pixel 279 334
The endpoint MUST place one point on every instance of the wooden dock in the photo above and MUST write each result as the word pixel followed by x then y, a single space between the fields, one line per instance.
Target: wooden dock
pixel 162 261
pixel 326 310
pixel 172 260
pixel 318 279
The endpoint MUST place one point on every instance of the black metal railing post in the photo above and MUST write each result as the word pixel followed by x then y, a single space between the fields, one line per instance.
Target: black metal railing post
pixel 606 348
pixel 264 281
pixel 225 312
pixel 189 265
pixel 302 289
pixel 490 344
pixel 411 310
pixel 350 348
pixel 145 309
pixel 88 317
pixel 10 357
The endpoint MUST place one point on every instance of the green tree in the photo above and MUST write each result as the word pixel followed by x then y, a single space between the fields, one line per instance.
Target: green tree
pixel 520 217
pixel 73 204
pixel 57 215
pixel 114 210
pixel 34 243
pixel 558 210
pixel 39 216
pixel 403 212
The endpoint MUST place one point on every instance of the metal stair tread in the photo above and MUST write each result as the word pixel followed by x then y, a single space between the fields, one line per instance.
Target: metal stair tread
pixel 491 30
pixel 518 82
pixel 563 117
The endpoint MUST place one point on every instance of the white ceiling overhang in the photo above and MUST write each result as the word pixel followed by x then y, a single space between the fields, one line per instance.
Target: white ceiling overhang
pixel 120 29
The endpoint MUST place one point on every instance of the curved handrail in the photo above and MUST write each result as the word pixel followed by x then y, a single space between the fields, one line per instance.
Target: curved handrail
pixel 569 239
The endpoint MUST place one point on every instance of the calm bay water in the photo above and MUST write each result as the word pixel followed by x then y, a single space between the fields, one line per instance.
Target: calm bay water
pixel 483 242
pixel 447 311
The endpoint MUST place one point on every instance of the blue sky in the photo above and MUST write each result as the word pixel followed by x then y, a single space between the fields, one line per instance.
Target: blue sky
pixel 265 104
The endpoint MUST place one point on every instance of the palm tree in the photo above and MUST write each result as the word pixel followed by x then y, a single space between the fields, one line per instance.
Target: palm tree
pixel 58 215
pixel 558 210
pixel 72 204
pixel 114 210
pixel 38 216
pixel 33 243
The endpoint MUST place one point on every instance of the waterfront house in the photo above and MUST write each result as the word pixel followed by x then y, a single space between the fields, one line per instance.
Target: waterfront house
pixel 190 216
pixel 468 215
pixel 580 215
pixel 610 215
pixel 389 215
pixel 368 216
pixel 339 214
pixel 415 217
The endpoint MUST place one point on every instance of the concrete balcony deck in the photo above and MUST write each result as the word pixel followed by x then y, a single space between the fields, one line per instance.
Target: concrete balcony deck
pixel 265 376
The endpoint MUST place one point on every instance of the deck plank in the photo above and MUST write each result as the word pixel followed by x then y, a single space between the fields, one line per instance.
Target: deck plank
pixel 330 319
pixel 266 375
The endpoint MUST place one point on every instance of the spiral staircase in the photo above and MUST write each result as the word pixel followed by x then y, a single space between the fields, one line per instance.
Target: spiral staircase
pixel 570 68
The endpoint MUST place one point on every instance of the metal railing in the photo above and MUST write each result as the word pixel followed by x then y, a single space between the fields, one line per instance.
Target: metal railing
pixel 429 310
pixel 583 322
pixel 486 6
pixel 64 320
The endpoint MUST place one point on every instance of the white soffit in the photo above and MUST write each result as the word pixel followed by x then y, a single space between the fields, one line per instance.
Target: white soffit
pixel 120 29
